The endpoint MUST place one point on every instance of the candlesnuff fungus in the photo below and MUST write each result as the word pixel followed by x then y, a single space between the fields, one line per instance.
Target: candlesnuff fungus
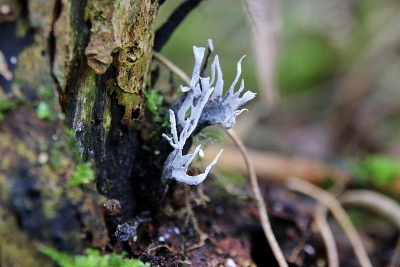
pixel 206 107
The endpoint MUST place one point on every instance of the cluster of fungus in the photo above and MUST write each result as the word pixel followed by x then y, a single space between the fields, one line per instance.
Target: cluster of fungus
pixel 202 105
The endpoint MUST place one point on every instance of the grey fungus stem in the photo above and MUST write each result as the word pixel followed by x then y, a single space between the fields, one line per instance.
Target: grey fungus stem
pixel 201 105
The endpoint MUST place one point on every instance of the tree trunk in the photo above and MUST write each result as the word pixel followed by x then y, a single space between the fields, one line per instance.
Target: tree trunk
pixel 94 56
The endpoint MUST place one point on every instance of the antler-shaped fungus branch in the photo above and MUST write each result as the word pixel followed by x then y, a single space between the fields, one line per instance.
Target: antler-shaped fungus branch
pixel 206 107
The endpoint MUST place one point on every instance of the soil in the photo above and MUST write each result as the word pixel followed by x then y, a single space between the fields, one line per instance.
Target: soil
pixel 212 227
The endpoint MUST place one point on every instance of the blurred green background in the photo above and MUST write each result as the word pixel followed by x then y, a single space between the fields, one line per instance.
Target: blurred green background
pixel 337 72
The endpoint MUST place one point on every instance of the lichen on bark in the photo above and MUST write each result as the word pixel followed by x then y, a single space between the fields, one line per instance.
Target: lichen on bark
pixel 122 34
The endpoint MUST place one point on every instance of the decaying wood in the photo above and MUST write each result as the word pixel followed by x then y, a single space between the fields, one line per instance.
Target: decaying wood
pixel 36 205
pixel 94 56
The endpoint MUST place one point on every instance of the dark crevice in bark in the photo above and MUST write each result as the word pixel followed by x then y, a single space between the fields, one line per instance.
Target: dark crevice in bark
pixel 52 50
pixel 82 28
pixel 115 157
pixel 24 9
pixel 129 170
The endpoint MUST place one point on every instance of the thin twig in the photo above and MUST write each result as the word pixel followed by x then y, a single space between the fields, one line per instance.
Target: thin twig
pixel 175 69
pixel 337 211
pixel 265 18
pixel 277 166
pixel 260 202
pixel 253 178
pixel 327 236
pixel 374 201
pixel 379 204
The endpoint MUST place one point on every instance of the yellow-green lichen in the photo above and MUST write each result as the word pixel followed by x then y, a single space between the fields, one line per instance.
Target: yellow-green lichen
pixel 122 33
pixel 131 102
pixel 85 101
pixel 107 118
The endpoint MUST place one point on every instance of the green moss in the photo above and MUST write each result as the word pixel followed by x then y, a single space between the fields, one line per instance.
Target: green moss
pixel 376 170
pixel 82 175
pixel 153 101
pixel 93 258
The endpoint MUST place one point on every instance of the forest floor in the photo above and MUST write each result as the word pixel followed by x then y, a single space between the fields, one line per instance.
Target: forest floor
pixel 218 222
pixel 219 225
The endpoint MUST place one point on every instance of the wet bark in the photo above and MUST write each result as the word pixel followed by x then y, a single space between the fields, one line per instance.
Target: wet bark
pixel 85 64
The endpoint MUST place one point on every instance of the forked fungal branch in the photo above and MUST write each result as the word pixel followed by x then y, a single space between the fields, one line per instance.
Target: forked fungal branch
pixel 206 106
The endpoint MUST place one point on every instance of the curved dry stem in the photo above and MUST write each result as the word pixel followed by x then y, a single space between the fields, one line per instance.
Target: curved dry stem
pixel 373 201
pixel 327 236
pixel 253 178
pixel 175 69
pixel 379 204
pixel 262 209
pixel 337 211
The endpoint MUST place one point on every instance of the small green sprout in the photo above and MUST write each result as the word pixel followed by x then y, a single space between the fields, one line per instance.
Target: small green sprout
pixel 93 258
pixel 154 101
pixel 43 110
pixel 82 175
pixel 154 104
